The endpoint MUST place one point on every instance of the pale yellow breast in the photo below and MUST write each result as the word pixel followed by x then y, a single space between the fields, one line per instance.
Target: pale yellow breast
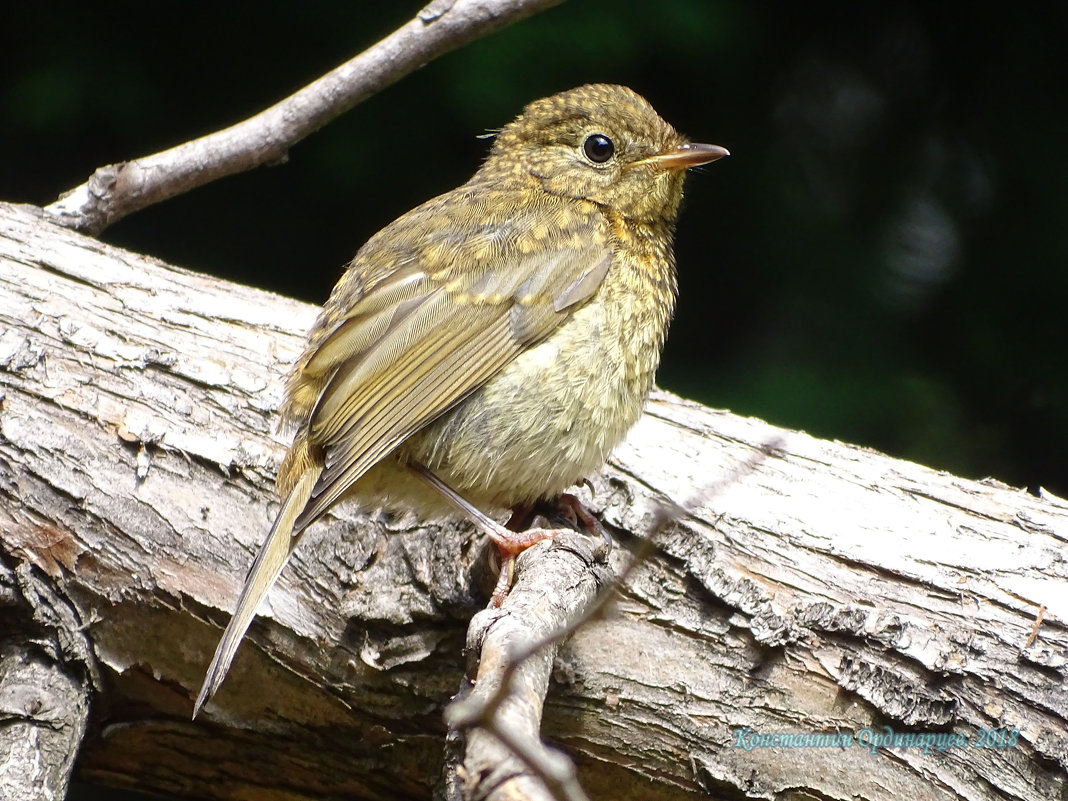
pixel 553 416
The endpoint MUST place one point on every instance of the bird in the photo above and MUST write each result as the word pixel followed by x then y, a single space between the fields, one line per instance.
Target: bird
pixel 488 349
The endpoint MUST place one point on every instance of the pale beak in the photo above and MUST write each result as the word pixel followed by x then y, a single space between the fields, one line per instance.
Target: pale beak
pixel 685 156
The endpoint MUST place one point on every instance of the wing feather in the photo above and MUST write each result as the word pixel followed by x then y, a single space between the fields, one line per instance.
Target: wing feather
pixel 352 457
pixel 422 339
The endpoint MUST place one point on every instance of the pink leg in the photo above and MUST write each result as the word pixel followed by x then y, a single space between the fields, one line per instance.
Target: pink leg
pixel 509 541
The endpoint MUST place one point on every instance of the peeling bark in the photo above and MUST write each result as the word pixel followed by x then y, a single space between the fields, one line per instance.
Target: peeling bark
pixel 821 587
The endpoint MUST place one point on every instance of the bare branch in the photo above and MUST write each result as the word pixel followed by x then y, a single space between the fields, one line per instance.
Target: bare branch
pixel 511 651
pixel 116 190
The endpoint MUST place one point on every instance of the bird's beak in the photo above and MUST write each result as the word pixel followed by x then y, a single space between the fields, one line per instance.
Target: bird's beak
pixel 685 156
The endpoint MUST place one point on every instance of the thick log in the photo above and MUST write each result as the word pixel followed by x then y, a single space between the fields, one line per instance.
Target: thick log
pixel 800 586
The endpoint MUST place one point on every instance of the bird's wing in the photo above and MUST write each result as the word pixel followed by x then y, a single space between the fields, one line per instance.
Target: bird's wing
pixel 423 339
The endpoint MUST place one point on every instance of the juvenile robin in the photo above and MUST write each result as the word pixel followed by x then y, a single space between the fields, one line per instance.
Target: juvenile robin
pixel 490 348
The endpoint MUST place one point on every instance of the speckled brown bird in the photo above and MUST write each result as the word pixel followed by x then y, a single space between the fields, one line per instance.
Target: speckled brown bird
pixel 490 348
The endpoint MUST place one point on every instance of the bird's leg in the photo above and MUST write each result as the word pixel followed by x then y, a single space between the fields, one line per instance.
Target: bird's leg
pixel 510 541
pixel 507 539
pixel 568 509
pixel 522 516
pixel 515 536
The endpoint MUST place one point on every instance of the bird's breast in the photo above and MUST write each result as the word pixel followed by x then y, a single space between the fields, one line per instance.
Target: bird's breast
pixel 554 414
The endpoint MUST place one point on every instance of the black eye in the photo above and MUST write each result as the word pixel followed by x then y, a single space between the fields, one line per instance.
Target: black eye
pixel 598 148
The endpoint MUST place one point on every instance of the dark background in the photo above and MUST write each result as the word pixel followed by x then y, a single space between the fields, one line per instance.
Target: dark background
pixel 882 259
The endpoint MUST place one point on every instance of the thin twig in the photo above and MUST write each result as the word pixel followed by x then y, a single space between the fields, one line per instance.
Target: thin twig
pixel 117 190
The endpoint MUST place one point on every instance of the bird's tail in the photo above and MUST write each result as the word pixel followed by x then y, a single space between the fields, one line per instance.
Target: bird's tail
pixel 269 563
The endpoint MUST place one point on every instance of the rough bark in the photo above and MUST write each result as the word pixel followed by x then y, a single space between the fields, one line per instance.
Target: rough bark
pixel 45 687
pixel 805 586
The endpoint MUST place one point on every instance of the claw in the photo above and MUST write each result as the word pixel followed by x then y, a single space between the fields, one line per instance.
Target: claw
pixel 586 517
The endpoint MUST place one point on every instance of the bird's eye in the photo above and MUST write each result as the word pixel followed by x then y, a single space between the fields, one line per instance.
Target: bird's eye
pixel 598 148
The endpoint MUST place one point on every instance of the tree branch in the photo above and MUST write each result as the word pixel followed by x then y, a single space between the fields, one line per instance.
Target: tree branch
pixel 511 651
pixel 116 190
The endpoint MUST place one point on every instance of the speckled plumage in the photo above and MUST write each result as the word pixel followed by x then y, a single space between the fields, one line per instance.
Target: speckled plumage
pixel 503 335
pixel 538 425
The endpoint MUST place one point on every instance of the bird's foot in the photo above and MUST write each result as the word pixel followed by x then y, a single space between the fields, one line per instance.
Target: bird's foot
pixel 586 518
pixel 516 535
pixel 514 538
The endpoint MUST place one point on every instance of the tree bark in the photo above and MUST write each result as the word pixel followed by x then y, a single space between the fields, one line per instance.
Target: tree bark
pixel 45 687
pixel 800 586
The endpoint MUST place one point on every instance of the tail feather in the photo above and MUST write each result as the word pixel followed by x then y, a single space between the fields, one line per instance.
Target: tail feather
pixel 265 569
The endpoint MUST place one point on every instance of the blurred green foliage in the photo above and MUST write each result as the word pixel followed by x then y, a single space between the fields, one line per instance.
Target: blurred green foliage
pixel 882 259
